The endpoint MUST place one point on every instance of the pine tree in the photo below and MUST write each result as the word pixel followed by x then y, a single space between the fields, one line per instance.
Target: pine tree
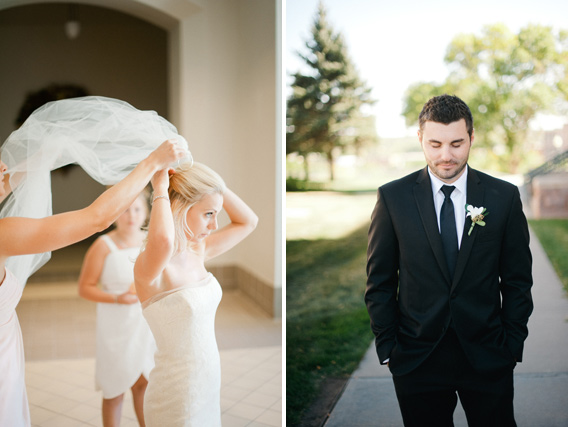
pixel 325 105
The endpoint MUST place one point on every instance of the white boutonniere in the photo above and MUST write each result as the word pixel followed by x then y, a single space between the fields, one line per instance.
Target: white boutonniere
pixel 477 215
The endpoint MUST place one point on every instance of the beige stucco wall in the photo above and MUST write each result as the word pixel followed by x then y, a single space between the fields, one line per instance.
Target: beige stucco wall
pixel 257 124
pixel 222 82
pixel 230 101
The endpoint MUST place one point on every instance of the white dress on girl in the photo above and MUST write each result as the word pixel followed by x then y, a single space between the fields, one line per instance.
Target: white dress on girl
pixel 184 387
pixel 14 410
pixel 125 346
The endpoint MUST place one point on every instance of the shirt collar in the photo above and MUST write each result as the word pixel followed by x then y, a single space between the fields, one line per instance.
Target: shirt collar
pixel 460 184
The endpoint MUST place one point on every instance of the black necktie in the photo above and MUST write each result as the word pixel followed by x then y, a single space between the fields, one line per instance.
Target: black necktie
pixel 448 229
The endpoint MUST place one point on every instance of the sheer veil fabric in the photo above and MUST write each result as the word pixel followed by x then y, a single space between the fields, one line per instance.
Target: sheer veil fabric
pixel 106 137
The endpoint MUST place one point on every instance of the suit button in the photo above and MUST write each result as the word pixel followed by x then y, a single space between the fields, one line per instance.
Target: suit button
pixel 453 296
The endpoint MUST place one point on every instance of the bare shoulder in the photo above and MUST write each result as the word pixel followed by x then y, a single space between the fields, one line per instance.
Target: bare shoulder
pixel 98 248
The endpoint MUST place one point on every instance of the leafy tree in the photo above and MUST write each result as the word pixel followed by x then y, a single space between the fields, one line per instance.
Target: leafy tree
pixel 506 79
pixel 324 109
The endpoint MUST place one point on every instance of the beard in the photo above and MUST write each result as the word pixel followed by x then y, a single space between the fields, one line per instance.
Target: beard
pixel 447 175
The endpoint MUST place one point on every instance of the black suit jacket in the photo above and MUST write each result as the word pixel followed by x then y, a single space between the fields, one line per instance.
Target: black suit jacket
pixel 410 296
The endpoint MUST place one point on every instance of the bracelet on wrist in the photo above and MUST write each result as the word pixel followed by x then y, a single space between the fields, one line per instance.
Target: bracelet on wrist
pixel 160 197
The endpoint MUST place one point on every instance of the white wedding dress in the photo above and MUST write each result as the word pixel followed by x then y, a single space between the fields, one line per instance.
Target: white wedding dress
pixel 125 346
pixel 14 410
pixel 184 387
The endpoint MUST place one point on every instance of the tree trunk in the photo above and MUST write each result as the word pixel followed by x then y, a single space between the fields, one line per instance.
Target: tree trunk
pixel 306 169
pixel 331 163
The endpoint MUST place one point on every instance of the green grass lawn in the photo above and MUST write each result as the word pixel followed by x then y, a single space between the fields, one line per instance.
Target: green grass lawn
pixel 327 326
pixel 553 235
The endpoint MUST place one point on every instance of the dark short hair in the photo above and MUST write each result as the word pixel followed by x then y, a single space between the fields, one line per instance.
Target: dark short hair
pixel 446 109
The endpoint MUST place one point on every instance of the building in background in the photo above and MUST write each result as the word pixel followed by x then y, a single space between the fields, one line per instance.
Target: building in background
pixel 549 182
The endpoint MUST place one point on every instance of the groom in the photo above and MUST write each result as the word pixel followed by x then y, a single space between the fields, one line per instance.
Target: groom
pixel 448 290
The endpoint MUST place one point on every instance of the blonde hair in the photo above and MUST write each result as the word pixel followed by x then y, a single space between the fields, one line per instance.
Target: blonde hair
pixel 188 186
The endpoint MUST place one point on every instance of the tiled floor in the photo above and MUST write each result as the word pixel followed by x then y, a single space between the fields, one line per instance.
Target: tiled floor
pixel 59 340
pixel 61 392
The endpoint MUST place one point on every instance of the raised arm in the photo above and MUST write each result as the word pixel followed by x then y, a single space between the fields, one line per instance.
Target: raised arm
pixel 243 222
pixel 161 236
pixel 27 235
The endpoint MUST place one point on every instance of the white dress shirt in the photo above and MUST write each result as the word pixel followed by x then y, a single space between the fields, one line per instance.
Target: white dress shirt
pixel 458 196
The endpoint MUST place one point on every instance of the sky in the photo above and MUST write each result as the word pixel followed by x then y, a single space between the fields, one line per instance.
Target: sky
pixel 394 44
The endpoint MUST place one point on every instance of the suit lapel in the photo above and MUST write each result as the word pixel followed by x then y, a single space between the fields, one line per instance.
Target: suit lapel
pixel 425 205
pixel 475 195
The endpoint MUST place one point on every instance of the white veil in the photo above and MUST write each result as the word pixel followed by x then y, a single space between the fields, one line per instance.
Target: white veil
pixel 105 136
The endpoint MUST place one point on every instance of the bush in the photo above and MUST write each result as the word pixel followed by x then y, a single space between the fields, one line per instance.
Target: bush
pixel 293 184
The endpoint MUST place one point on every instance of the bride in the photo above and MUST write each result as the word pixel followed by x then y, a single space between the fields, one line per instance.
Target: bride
pixel 179 297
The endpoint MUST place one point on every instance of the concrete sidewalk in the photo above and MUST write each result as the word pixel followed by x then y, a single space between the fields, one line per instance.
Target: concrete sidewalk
pixel 541 381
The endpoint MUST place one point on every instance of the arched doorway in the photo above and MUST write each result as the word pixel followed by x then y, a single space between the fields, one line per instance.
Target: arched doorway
pixel 114 55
